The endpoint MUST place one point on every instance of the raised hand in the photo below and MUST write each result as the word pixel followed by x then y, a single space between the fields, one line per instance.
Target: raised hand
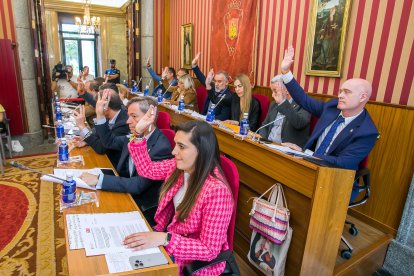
pixel 146 121
pixel 81 88
pixel 209 79
pixel 195 60
pixel 102 103
pixel 287 60
pixel 164 73
pixel 80 117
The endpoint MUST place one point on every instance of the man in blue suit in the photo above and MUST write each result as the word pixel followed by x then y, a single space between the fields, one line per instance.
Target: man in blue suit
pixel 345 133
pixel 217 92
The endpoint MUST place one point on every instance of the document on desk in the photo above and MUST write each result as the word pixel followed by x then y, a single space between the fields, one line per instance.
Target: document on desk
pixel 77 223
pixel 61 173
pixel 287 150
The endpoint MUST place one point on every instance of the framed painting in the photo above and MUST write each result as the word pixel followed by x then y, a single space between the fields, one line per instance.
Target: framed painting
pixel 186 45
pixel 327 33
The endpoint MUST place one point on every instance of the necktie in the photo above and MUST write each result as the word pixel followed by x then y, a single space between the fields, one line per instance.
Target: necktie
pixel 329 136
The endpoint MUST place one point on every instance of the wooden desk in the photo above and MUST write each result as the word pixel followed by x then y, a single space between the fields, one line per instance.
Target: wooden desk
pixel 317 197
pixel 109 202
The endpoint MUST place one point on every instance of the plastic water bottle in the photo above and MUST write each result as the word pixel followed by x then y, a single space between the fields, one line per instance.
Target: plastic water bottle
pixel 63 151
pixel 60 130
pixel 159 95
pixel 181 105
pixel 210 114
pixel 125 83
pixel 58 113
pixel 146 91
pixel 69 189
pixel 134 87
pixel 56 99
pixel 244 125
pixel 57 104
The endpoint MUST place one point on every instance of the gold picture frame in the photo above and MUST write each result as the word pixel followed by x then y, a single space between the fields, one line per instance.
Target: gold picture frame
pixel 186 45
pixel 328 27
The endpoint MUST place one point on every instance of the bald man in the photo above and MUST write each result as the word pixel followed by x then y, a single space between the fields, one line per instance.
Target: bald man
pixel 345 132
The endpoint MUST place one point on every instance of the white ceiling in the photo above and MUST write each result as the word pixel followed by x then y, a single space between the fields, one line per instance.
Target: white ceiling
pixel 107 3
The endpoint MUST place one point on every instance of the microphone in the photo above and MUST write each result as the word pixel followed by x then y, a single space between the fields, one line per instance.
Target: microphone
pixel 167 89
pixel 222 97
pixel 20 166
pixel 48 126
pixel 140 79
pixel 263 126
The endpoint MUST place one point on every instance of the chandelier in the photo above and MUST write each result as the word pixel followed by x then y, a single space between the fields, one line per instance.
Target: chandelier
pixel 90 25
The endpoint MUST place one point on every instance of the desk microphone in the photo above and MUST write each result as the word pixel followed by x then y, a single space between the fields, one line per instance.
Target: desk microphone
pixel 167 89
pixel 20 166
pixel 140 79
pixel 222 97
pixel 263 126
pixel 48 126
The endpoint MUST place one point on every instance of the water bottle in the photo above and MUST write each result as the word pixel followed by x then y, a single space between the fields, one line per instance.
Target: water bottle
pixel 125 83
pixel 56 99
pixel 57 104
pixel 60 130
pixel 58 113
pixel 210 114
pixel 63 151
pixel 159 95
pixel 69 189
pixel 244 125
pixel 134 87
pixel 146 91
pixel 181 104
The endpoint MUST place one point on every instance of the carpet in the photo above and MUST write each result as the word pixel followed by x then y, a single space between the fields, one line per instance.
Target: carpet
pixel 32 239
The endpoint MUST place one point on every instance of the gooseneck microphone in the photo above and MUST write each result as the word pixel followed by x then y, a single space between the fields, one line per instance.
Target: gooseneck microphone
pixel 20 166
pixel 263 126
pixel 222 97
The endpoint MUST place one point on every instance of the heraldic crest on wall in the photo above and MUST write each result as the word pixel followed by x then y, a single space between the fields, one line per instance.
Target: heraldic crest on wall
pixel 233 21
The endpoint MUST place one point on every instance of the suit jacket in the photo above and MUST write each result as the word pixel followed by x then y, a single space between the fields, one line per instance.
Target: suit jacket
pixel 203 234
pixel 160 84
pixel 159 148
pixel 254 112
pixel 295 127
pixel 190 97
pixel 120 128
pixel 352 144
pixel 223 110
pixel 89 98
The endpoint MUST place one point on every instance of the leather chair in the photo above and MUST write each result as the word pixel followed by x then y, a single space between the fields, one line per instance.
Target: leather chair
pixel 163 120
pixel 201 97
pixel 170 136
pixel 264 106
pixel 232 175
pixel 362 183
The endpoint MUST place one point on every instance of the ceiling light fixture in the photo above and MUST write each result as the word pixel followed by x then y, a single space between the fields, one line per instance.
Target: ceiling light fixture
pixel 90 25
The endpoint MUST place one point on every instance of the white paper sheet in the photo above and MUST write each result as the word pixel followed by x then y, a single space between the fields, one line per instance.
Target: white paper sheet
pixel 74 232
pixel 287 150
pixel 61 173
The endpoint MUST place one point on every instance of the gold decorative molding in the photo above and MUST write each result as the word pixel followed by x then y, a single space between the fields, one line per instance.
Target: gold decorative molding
pixel 63 6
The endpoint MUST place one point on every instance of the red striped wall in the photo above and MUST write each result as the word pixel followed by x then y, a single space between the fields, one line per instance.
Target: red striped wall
pixel 7 30
pixel 379 46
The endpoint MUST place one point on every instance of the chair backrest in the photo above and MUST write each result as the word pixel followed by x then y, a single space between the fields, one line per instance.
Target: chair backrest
pixel 201 97
pixel 264 106
pixel 232 176
pixel 164 120
pixel 362 179
pixel 170 135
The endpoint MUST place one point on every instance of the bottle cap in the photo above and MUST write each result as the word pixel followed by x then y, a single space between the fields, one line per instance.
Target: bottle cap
pixel 63 140
pixel 245 114
pixel 69 174
pixel 146 87
pixel 59 121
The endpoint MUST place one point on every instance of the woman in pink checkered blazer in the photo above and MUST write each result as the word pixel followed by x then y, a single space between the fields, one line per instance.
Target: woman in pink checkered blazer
pixel 196 202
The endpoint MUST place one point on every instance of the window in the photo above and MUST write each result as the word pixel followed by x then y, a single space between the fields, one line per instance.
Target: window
pixel 78 50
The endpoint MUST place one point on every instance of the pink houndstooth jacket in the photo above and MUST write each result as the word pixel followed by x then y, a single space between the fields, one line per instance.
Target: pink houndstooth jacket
pixel 203 234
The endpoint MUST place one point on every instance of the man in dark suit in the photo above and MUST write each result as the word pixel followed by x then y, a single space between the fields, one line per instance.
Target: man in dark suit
pixel 288 121
pixel 115 115
pixel 143 189
pixel 216 92
pixel 345 132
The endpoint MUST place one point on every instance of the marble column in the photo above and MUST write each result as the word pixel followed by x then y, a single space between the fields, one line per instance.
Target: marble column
pixel 147 39
pixel 26 56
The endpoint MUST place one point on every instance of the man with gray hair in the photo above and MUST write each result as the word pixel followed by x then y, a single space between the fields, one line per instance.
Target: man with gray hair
pixel 290 121
pixel 219 92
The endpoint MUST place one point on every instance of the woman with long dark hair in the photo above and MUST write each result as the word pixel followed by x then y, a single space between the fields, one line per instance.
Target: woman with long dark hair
pixel 196 203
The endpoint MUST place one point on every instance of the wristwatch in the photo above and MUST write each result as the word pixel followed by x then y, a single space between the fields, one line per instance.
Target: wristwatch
pixel 167 239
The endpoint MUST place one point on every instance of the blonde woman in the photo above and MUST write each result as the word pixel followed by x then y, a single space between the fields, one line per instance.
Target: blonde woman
pixel 185 88
pixel 243 102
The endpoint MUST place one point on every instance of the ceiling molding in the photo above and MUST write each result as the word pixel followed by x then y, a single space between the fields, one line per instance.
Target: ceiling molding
pixel 63 6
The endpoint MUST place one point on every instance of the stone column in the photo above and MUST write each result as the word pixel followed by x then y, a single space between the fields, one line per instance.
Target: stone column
pixel 147 39
pixel 26 57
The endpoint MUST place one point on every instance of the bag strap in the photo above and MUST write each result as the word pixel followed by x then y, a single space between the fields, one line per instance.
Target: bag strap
pixel 281 197
pixel 256 199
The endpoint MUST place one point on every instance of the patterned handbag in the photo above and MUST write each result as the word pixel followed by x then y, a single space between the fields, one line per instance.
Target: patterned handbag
pixel 271 217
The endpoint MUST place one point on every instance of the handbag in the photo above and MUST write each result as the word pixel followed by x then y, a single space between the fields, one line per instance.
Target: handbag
pixel 270 217
pixel 268 257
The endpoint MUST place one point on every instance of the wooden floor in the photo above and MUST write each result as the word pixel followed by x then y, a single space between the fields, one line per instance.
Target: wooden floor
pixel 369 251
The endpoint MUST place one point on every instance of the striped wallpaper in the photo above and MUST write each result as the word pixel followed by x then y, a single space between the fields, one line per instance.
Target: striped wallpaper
pixel 379 45
pixel 7 30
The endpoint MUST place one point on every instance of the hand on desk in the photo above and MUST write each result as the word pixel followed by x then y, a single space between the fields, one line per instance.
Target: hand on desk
pixel 144 240
pixel 292 146
pixel 80 144
pixel 90 179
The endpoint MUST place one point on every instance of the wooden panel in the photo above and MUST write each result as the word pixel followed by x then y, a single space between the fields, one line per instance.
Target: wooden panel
pixel 391 161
